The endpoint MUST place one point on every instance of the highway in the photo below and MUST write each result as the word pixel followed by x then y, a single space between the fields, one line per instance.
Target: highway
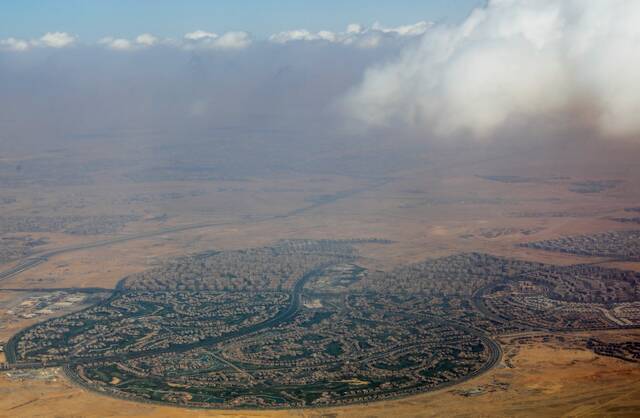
pixel 495 351
pixel 40 258
pixel 37 259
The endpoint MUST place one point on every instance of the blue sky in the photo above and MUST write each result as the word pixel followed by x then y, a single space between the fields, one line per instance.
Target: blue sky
pixel 93 19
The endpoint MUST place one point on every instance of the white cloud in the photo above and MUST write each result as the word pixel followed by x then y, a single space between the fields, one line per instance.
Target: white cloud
pixel 354 28
pixel 292 35
pixel 200 35
pixel 327 36
pixel 355 35
pixel 208 40
pixel 304 35
pixel 142 41
pixel 48 40
pixel 117 44
pixel 57 39
pixel 513 61
pixel 13 44
pixel 416 29
pixel 193 40
pixel 146 39
pixel 233 40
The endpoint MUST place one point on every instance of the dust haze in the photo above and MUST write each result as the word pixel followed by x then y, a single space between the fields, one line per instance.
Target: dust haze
pixel 430 219
pixel 513 63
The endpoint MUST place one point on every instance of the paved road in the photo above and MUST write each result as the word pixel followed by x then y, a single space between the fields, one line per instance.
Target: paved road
pixel 40 258
pixel 36 259
pixel 283 316
pixel 495 351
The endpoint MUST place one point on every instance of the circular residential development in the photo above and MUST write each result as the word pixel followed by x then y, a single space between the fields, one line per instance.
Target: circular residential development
pixel 303 324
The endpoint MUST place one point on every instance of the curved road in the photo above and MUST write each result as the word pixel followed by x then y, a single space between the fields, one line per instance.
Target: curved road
pixel 495 351
pixel 284 315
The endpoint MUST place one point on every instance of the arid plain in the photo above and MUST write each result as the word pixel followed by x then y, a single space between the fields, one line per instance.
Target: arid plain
pixel 437 204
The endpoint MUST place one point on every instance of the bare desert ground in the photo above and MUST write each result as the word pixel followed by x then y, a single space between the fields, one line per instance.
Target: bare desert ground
pixel 426 212
pixel 537 378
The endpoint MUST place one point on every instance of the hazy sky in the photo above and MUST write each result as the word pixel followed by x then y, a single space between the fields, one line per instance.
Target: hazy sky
pixel 437 70
pixel 90 20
